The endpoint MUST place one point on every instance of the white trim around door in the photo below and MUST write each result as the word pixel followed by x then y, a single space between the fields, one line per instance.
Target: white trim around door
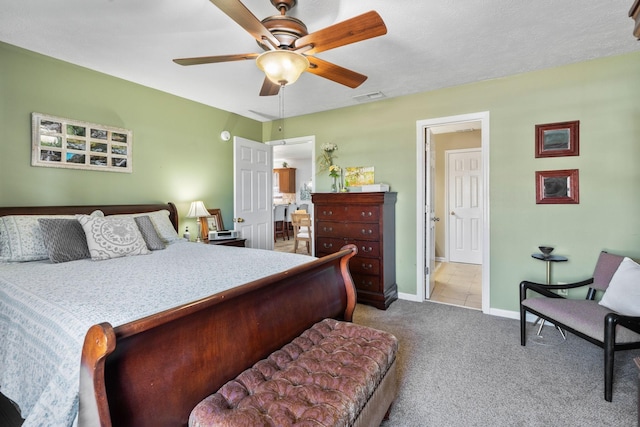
pixel 422 151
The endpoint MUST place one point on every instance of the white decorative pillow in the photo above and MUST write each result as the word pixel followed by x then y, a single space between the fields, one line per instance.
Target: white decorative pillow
pixel 111 237
pixel 21 238
pixel 163 225
pixel 161 222
pixel 623 293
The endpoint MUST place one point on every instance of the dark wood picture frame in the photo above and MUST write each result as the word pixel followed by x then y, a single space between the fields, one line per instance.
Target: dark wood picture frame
pixel 215 217
pixel 557 187
pixel 558 139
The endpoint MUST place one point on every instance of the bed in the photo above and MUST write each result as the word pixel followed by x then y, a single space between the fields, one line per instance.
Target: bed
pixel 47 308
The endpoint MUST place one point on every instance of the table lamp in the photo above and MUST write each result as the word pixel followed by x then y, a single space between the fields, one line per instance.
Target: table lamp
pixel 199 211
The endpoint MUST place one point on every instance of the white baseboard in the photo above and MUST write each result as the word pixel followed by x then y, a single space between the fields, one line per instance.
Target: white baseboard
pixel 509 314
pixel 408 297
pixel 504 313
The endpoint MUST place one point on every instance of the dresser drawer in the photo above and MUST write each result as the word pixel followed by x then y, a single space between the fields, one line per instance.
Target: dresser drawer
pixel 327 245
pixel 365 248
pixel 367 283
pixel 362 213
pixel 360 265
pixel 345 230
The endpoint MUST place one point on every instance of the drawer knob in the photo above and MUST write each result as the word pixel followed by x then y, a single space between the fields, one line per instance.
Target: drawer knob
pixel 327 245
pixel 327 228
pixel 327 213
pixel 364 283
pixel 367 266
pixel 366 214
pixel 366 231
pixel 365 249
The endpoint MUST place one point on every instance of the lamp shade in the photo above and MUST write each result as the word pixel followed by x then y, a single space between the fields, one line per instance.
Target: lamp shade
pixel 282 67
pixel 197 210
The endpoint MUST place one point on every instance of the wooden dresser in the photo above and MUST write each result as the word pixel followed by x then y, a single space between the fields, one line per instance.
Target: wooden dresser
pixel 367 220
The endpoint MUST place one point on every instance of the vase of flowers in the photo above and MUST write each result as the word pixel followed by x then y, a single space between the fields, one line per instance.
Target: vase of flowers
pixel 334 172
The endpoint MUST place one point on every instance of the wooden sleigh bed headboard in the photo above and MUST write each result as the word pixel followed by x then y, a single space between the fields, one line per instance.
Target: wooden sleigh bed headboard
pixel 87 209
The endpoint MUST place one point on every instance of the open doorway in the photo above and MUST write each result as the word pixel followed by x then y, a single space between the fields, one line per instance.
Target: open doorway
pixel 453 243
pixel 296 155
pixel 458 203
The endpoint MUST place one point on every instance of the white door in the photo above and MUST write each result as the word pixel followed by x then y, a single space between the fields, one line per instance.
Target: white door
pixel 464 182
pixel 430 215
pixel 252 180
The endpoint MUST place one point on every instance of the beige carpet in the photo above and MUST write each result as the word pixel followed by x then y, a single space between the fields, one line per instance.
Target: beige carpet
pixel 459 367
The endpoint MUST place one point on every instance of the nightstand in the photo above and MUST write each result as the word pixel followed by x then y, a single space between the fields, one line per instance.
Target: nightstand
pixel 229 242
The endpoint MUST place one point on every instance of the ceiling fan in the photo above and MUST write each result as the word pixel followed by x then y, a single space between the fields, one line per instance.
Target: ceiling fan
pixel 289 46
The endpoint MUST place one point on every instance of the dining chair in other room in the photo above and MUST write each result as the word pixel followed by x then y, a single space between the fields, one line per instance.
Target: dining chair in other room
pixel 279 222
pixel 613 323
pixel 290 209
pixel 301 230
pixel 304 207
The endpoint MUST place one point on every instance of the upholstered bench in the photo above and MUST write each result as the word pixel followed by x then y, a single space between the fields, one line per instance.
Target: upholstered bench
pixel 334 374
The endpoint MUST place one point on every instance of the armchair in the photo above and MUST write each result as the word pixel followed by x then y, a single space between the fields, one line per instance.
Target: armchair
pixel 588 319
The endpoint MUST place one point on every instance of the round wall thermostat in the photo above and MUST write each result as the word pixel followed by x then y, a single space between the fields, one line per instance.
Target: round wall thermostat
pixel 225 135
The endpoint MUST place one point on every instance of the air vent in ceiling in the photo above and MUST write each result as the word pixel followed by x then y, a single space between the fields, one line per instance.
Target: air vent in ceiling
pixel 369 96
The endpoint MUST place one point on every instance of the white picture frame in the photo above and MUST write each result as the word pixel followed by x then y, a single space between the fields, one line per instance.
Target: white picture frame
pixel 65 143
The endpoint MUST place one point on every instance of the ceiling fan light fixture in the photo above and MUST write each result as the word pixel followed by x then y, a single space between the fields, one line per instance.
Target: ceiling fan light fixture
pixel 282 67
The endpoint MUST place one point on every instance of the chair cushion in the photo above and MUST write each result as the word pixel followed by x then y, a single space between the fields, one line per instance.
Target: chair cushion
pixel 584 316
pixel 605 268
pixel 623 293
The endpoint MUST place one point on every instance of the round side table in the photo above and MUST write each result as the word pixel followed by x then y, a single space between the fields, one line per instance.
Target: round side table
pixel 548 260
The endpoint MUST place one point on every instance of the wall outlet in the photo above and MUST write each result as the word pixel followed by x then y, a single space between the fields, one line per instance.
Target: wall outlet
pixel 563 292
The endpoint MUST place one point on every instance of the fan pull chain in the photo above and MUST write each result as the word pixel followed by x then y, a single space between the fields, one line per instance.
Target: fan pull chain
pixel 281 99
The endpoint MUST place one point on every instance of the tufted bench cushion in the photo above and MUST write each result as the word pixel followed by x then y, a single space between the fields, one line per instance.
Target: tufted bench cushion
pixel 324 377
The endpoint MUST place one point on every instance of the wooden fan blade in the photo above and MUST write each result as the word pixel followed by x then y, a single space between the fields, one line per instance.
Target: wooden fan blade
pixel 335 72
pixel 362 27
pixel 269 88
pixel 247 20
pixel 213 59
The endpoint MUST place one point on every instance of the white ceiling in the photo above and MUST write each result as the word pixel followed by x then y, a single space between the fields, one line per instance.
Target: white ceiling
pixel 430 44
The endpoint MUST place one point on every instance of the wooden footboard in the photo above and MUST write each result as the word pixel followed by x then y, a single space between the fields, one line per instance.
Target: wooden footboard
pixel 153 371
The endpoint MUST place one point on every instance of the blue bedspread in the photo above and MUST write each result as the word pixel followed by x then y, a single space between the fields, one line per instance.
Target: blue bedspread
pixel 46 309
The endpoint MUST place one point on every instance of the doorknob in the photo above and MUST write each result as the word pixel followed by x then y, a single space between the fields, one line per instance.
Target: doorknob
pixel 435 219
pixel 453 213
pixel 238 220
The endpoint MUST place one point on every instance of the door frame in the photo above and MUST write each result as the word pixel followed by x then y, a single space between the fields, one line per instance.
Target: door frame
pixel 421 155
pixel 311 141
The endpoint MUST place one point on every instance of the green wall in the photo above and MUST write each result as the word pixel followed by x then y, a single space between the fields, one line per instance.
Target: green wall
pixel 603 94
pixel 177 153
pixel 179 157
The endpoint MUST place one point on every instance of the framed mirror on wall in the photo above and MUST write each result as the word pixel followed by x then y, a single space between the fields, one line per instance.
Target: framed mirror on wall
pixel 557 187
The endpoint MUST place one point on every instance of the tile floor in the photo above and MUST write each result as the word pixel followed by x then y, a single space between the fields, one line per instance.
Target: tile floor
pixel 458 284
pixel 287 246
